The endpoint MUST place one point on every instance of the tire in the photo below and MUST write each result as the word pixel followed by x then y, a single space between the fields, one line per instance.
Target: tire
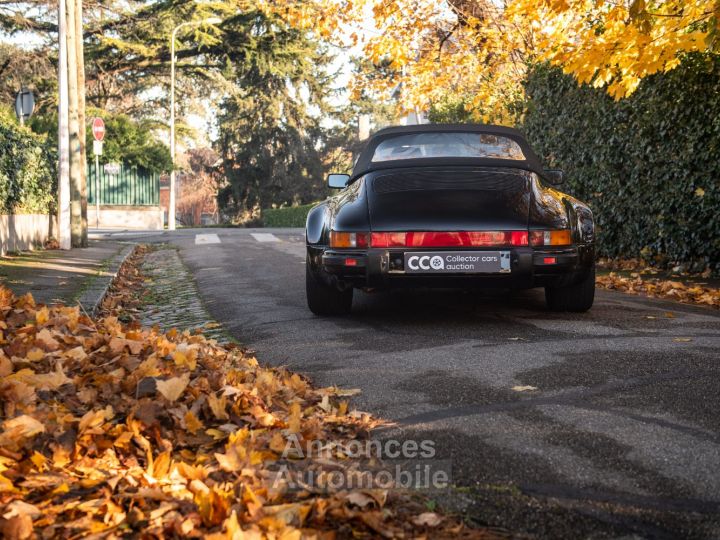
pixel 324 299
pixel 576 298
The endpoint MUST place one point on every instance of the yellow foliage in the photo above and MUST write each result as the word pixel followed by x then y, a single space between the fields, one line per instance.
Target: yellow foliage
pixel 479 50
pixel 618 43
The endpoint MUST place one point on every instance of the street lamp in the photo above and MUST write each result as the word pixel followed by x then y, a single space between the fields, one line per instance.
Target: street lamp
pixel 210 20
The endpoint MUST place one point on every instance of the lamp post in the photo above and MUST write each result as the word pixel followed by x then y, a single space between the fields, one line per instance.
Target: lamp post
pixel 211 20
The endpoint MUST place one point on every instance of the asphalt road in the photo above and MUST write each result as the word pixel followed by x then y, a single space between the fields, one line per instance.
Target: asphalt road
pixel 621 437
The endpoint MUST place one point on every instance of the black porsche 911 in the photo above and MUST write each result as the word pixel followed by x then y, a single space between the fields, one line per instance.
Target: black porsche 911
pixel 449 206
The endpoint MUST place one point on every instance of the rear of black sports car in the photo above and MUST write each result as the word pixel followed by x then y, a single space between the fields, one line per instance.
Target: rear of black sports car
pixel 453 225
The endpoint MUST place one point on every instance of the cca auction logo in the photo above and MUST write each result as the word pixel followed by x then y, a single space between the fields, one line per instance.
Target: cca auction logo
pixel 426 262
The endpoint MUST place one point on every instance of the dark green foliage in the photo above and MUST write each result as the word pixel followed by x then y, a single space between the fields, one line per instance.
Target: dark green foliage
pixel 270 134
pixel 290 216
pixel 648 165
pixel 28 179
pixel 127 141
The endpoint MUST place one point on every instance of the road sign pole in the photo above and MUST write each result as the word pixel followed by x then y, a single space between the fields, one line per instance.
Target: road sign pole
pixel 97 190
pixel 98 131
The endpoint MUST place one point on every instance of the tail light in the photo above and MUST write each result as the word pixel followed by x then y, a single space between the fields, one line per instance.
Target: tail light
pixel 449 239
pixel 348 240
pixel 550 238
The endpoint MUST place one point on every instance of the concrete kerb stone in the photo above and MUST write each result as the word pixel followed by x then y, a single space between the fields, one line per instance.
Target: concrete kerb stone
pixel 97 288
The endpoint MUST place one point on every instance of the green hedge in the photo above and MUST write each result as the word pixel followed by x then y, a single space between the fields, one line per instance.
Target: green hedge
pixel 28 180
pixel 290 216
pixel 648 165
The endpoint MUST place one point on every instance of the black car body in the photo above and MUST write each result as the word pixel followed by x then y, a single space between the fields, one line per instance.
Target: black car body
pixel 449 206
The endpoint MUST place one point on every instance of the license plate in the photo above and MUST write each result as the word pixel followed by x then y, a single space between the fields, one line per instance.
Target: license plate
pixel 457 262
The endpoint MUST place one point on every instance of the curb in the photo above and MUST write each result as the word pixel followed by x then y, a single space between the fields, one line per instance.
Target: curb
pixel 93 296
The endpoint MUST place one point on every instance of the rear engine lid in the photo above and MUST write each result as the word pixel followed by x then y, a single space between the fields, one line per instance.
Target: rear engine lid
pixel 449 199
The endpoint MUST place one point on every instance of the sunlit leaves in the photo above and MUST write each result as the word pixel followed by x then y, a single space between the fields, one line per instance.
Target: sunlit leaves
pixel 194 454
pixel 661 288
pixel 477 51
pixel 618 43
pixel 172 388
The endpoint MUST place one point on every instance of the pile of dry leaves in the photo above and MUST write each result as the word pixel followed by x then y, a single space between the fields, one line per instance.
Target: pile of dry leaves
pixel 120 431
pixel 636 283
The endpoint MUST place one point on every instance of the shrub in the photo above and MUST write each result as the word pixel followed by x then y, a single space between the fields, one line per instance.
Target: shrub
pixel 290 216
pixel 28 179
pixel 649 165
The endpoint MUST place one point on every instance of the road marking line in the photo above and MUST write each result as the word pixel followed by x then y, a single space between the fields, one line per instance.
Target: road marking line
pixel 207 239
pixel 265 237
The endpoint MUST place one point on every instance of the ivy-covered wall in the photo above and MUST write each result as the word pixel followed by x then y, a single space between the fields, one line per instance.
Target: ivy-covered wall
pixel 649 165
pixel 27 171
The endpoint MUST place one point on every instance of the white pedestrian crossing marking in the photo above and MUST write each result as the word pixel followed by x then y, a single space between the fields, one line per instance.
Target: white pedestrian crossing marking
pixel 207 239
pixel 265 237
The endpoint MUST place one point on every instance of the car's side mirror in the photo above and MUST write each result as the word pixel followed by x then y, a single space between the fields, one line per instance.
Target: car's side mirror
pixel 337 181
pixel 554 176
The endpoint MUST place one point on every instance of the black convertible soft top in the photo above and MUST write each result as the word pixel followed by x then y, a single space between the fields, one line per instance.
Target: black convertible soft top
pixel 365 164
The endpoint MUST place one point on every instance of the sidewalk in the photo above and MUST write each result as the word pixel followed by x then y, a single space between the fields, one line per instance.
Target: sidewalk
pixel 77 275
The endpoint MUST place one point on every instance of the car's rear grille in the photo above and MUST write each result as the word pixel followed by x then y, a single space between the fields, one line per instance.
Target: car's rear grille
pixel 486 179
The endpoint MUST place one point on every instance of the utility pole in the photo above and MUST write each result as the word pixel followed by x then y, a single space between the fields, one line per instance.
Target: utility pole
pixel 63 142
pixel 76 228
pixel 172 202
pixel 80 55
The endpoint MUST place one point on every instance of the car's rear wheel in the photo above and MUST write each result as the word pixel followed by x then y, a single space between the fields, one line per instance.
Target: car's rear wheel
pixel 577 298
pixel 325 299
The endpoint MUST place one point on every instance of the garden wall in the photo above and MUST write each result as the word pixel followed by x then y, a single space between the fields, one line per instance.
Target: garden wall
pixel 23 232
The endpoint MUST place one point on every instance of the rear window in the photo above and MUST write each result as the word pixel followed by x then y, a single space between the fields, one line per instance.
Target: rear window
pixel 448 145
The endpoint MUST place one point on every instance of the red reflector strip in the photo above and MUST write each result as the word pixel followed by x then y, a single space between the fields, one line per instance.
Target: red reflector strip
pixel 549 260
pixel 351 262
pixel 450 239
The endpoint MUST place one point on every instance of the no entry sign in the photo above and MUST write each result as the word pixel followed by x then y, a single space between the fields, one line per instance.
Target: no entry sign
pixel 98 129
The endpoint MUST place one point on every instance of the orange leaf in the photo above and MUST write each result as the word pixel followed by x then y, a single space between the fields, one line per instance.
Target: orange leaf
pixel 192 424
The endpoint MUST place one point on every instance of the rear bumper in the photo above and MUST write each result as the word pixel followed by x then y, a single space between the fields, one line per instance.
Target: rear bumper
pixel 384 268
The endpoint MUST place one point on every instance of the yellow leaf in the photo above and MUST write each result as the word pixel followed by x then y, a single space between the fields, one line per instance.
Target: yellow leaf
pixel 18 428
pixel 78 353
pixel 192 424
pixel 233 531
pixel 184 360
pixel 39 461
pixel 6 365
pixel 171 389
pixel 34 355
pixel 46 340
pixel 217 406
pixel 6 486
pixel 49 381
pixel 96 418
pixel 264 418
pixel 277 443
pixel 294 421
pixel 42 316
pixel 524 388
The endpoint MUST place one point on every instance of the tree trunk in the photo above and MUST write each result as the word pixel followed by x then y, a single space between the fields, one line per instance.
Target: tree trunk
pixel 80 51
